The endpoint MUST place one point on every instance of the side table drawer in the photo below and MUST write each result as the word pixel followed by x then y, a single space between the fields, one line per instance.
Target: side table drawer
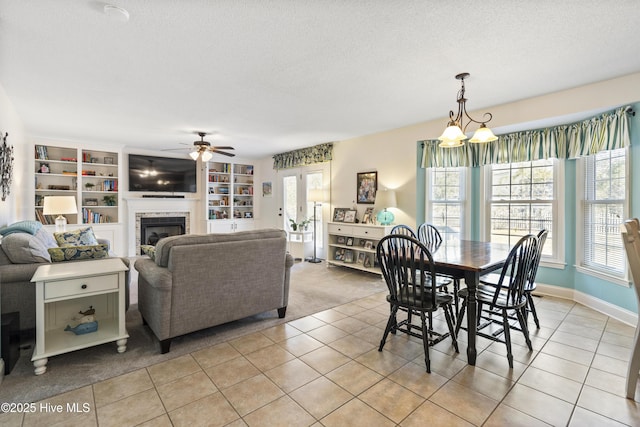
pixel 77 287
pixel 340 229
pixel 370 232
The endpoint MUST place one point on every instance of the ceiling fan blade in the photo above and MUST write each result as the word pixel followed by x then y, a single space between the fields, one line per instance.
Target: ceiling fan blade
pixel 222 152
pixel 223 148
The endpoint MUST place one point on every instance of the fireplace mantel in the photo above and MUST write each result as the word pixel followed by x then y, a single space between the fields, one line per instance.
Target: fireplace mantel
pixel 138 207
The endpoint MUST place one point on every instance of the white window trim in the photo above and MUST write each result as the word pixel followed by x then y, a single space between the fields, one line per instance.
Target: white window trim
pixel 558 261
pixel 464 206
pixel 580 188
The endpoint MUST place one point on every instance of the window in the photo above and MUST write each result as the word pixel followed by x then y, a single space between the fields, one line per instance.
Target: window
pixel 446 199
pixel 604 209
pixel 523 199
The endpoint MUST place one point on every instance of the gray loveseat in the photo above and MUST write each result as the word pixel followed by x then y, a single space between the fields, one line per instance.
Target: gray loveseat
pixel 198 281
pixel 17 292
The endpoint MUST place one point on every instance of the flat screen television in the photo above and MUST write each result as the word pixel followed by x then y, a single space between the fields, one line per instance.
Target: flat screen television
pixel 166 174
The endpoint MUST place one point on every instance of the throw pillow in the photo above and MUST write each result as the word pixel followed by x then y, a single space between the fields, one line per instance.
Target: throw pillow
pixel 149 250
pixel 30 227
pixel 79 237
pixel 46 238
pixel 23 248
pixel 70 253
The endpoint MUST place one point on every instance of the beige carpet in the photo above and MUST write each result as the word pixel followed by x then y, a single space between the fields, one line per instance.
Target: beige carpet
pixel 314 288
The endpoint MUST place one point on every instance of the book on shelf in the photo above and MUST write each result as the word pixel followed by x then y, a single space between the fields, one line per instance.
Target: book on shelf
pixel 41 152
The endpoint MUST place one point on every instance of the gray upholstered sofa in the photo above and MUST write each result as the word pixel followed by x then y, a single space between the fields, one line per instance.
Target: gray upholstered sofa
pixel 198 281
pixel 17 292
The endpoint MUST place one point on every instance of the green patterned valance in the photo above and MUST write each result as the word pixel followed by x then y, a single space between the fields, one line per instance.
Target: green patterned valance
pixel 305 156
pixel 608 131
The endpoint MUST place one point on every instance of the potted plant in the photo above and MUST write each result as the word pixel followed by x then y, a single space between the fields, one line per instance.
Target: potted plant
pixel 295 226
pixel 109 200
pixel 89 186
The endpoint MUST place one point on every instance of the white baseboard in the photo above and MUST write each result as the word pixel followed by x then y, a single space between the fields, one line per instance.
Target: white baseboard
pixel 611 310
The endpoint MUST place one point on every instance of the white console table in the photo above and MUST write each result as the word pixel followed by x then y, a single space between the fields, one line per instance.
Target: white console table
pixel 62 291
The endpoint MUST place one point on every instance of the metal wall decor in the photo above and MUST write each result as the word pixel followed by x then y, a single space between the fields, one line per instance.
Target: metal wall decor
pixel 6 167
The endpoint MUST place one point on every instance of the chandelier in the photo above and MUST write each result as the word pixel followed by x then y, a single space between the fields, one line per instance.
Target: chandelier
pixel 453 135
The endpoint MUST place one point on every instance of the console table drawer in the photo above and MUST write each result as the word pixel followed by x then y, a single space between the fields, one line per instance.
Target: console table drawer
pixel 340 229
pixel 77 287
pixel 371 233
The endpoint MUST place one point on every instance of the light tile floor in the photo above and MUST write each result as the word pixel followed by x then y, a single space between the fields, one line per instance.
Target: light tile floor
pixel 325 369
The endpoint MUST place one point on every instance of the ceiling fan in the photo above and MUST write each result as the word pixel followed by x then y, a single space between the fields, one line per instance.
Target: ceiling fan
pixel 205 149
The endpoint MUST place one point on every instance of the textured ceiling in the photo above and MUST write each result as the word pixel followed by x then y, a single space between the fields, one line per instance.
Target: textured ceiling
pixel 269 76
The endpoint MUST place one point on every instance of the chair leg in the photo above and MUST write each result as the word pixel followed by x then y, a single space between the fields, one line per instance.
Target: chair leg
pixel 391 323
pixel 425 341
pixel 456 288
pixel 523 326
pixel 447 314
pixel 507 336
pixel 532 308
pixel 461 316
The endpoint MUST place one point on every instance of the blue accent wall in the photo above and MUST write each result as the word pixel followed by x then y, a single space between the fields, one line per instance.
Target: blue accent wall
pixel 568 277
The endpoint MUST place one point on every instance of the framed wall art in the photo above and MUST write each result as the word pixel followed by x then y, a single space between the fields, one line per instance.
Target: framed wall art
pixel 367 185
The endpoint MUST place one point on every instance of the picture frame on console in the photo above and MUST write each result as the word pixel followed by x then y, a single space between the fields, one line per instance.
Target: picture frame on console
pixel 349 215
pixel 338 214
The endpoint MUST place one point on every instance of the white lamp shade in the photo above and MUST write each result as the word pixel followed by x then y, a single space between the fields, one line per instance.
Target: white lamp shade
pixel 194 155
pixel 316 195
pixel 206 156
pixel 451 143
pixel 452 133
pixel 483 134
pixel 386 199
pixel 59 205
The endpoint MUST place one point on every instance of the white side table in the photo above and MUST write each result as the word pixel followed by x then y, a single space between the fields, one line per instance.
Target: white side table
pixel 300 244
pixel 65 289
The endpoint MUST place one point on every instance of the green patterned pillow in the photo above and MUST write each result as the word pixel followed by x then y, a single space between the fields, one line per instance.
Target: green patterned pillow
pixel 71 253
pixel 149 250
pixel 79 237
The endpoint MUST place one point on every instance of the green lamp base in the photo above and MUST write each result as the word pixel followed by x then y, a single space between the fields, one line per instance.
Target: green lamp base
pixel 385 217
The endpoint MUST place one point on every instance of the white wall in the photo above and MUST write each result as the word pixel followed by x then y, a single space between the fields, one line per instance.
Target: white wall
pixel 15 205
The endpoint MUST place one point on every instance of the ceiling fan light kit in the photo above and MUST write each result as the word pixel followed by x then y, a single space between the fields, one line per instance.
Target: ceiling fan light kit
pixel 205 150
pixel 454 134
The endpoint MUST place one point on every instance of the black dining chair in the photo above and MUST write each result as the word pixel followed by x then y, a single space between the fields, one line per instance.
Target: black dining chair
pixel 404 230
pixel 506 296
pixel 530 286
pixel 429 236
pixel 408 270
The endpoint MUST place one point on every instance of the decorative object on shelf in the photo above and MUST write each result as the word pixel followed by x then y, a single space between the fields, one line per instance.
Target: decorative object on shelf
pixel 384 200
pixel 108 160
pixel 367 184
pixel 59 205
pixel 367 218
pixel 6 167
pixel 350 241
pixel 44 168
pixel 348 256
pixel 316 195
pixel 109 200
pixel 91 202
pixel 83 328
pixel 341 240
pixel 453 135
pixel 89 186
pixel 367 262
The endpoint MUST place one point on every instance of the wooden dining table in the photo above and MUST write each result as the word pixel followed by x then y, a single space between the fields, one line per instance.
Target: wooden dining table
pixel 468 260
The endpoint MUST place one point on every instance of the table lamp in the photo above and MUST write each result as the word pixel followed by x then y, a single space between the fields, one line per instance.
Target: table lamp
pixel 59 205
pixel 385 199
pixel 316 195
